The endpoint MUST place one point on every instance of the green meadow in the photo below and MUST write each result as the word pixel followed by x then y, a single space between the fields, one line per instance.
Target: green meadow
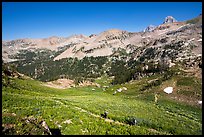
pixel 77 110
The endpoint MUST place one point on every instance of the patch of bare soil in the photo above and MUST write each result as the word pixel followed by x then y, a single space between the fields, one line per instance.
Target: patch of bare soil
pixel 197 72
pixel 185 99
pixel 60 83
pixel 8 114
pixel 67 83
pixel 8 126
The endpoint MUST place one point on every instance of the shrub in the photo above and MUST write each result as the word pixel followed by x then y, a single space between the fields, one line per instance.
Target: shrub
pixel 193 21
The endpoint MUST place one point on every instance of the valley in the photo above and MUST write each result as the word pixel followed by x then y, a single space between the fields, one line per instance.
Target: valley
pixel 111 83
pixel 176 113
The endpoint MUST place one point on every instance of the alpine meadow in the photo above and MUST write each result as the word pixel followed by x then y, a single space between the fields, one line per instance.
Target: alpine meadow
pixel 115 82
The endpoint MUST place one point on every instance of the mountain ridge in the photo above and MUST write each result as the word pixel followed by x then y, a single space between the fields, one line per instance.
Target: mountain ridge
pixel 176 42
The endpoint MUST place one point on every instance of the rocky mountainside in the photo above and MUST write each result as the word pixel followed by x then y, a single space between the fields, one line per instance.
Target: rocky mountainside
pixel 52 43
pixel 107 42
pixel 171 42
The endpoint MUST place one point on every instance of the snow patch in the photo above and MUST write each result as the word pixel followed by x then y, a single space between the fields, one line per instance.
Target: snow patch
pixel 168 90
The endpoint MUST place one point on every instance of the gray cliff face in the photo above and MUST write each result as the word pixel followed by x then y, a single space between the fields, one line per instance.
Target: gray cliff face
pixel 169 19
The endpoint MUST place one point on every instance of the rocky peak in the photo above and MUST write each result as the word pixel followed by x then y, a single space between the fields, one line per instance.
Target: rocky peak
pixel 112 32
pixel 150 28
pixel 169 19
pixel 92 35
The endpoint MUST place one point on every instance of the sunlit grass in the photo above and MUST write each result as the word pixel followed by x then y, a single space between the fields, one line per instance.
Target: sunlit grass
pixel 30 98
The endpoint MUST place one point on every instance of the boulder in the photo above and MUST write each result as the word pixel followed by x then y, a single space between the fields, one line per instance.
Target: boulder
pixel 68 121
pixel 119 90
pixel 124 88
pixel 132 121
pixel 105 114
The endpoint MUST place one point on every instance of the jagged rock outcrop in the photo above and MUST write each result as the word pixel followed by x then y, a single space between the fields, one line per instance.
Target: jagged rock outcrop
pixel 150 28
pixel 169 19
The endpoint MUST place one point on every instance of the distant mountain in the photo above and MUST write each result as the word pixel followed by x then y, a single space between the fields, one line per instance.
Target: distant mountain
pixel 103 44
pixel 172 41
pixel 169 19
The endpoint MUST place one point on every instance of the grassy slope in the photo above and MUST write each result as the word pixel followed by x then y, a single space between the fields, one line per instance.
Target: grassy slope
pixel 168 116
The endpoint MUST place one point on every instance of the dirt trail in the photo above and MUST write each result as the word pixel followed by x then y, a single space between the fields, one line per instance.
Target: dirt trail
pixel 117 122
pixel 92 114
pixel 112 121
pixel 98 116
